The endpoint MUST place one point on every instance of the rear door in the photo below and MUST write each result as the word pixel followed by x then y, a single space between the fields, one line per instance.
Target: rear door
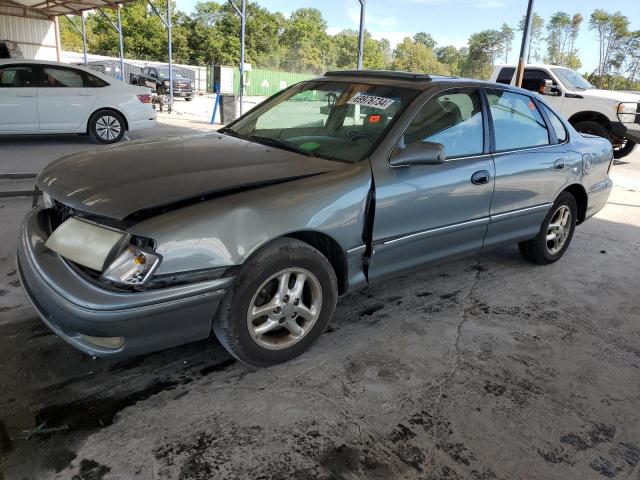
pixel 428 212
pixel 65 100
pixel 532 165
pixel 18 98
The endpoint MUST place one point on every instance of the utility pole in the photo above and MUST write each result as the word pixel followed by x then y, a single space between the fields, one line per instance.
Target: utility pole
pixel 361 33
pixel 84 37
pixel 524 46
pixel 170 55
pixel 242 13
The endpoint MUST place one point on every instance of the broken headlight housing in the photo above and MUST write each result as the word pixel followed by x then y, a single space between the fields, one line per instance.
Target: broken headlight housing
pixel 133 267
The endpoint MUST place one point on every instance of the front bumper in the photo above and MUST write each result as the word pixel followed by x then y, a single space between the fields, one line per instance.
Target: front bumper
pixel 73 307
pixel 630 131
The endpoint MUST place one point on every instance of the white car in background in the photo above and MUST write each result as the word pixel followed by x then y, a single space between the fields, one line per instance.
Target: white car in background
pixel 40 97
pixel 606 113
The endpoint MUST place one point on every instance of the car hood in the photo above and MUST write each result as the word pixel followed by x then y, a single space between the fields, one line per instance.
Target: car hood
pixel 120 180
pixel 609 94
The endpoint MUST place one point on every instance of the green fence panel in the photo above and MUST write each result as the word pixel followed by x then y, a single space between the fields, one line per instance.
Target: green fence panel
pixel 263 83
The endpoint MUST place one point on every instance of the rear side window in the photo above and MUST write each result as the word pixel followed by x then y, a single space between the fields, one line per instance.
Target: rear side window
pixel 505 75
pixel 453 119
pixel 556 124
pixel 62 77
pixel 517 123
pixel 16 76
pixel 93 81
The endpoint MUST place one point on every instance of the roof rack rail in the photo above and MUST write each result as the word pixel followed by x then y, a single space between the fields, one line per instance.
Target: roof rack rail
pixel 383 74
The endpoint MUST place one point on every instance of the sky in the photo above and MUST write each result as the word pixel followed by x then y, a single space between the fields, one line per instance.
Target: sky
pixel 450 22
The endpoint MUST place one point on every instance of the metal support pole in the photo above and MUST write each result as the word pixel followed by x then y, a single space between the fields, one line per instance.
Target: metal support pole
pixel 170 54
pixel 361 34
pixel 242 31
pixel 524 47
pixel 84 37
pixel 121 45
pixel 56 28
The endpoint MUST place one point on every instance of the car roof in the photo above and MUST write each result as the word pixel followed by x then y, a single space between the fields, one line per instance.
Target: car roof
pixel 419 81
pixel 532 65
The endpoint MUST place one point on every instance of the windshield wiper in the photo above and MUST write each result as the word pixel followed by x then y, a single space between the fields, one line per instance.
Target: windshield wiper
pixel 229 131
pixel 274 142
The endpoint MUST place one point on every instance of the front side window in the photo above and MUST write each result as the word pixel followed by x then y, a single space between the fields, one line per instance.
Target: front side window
pixel 62 77
pixel 453 119
pixel 533 79
pixel 17 76
pixel 556 124
pixel 335 120
pixel 517 123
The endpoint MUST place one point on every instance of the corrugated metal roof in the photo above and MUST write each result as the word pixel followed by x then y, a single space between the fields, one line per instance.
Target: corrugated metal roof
pixel 47 9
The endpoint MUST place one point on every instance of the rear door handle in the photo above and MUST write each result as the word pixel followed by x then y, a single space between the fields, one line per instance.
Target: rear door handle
pixel 558 164
pixel 25 94
pixel 481 177
pixel 85 94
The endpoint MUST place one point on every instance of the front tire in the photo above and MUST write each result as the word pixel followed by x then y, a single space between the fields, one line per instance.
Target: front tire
pixel 280 303
pixel 555 234
pixel 625 149
pixel 106 126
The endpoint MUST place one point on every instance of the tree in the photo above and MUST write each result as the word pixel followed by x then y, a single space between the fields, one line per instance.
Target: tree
pixel 535 36
pixel 558 37
pixel 508 35
pixel 412 56
pixel 346 47
pixel 452 58
pixel 612 30
pixel 484 48
pixel 309 47
pixel 425 39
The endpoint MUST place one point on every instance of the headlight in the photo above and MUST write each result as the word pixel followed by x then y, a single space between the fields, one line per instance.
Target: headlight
pixel 133 267
pixel 627 112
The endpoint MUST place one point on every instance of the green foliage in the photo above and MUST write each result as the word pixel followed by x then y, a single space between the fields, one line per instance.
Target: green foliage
pixel 300 43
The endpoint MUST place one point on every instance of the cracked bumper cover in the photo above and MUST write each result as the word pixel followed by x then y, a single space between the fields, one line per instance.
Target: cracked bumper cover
pixel 74 307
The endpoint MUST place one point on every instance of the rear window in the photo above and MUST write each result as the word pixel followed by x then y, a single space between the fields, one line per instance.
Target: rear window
pixel 93 81
pixel 505 75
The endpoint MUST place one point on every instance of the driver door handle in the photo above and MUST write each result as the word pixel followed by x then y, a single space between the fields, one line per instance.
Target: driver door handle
pixel 481 177
pixel 558 164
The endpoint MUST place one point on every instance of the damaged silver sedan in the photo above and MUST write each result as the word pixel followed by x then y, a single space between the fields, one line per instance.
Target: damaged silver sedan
pixel 254 231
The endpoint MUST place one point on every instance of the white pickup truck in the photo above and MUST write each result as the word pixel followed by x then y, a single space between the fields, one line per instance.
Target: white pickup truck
pixel 610 114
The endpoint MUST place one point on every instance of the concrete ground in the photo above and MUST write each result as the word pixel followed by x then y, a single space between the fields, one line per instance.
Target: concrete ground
pixel 484 368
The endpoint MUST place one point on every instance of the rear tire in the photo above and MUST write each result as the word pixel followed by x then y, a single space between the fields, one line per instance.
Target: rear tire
pixel 280 303
pixel 106 127
pixel 555 234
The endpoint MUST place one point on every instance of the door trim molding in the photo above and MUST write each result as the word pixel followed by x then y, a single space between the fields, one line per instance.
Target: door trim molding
pixel 435 231
pixel 521 211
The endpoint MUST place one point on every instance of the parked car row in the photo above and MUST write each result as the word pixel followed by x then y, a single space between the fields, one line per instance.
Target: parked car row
pixel 39 97
pixel 333 184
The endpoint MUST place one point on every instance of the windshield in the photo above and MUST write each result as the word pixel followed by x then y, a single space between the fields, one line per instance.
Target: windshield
pixel 165 74
pixel 334 120
pixel 572 79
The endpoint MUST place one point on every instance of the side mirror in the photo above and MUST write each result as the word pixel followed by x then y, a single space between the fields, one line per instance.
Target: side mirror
pixel 548 88
pixel 418 153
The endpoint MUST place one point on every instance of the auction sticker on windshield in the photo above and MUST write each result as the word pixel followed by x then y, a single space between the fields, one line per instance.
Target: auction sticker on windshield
pixel 371 101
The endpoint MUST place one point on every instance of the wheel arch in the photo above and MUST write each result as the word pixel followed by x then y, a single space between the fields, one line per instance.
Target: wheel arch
pixel 109 109
pixel 331 249
pixel 582 199
pixel 591 116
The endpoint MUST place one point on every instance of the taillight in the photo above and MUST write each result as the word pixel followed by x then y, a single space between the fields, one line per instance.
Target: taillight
pixel 144 98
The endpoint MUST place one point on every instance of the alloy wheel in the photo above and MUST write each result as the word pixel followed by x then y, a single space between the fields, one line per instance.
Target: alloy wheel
pixel 108 127
pixel 284 309
pixel 559 229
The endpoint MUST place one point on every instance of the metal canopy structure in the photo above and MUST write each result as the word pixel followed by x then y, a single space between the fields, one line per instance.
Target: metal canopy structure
pixel 49 9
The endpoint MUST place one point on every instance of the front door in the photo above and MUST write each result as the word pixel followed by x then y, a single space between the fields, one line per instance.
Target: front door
pixel 18 99
pixel 425 213
pixel 64 100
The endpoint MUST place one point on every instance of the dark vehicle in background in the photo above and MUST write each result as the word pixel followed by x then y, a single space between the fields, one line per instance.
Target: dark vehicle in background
pixel 157 78
pixel 9 49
